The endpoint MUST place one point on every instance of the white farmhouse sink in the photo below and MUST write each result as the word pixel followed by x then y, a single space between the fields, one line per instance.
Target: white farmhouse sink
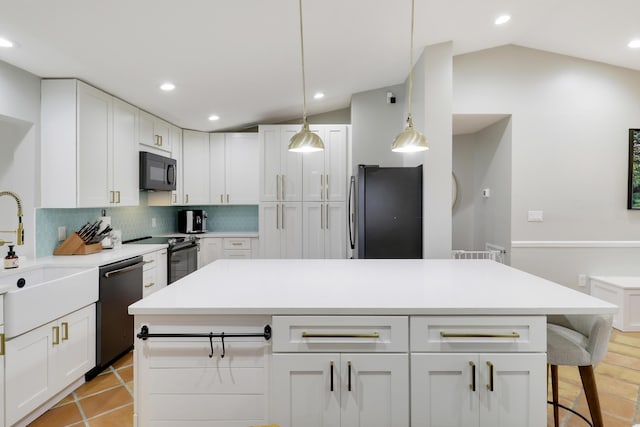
pixel 49 292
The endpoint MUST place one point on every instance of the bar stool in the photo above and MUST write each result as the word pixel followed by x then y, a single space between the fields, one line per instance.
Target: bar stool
pixel 580 341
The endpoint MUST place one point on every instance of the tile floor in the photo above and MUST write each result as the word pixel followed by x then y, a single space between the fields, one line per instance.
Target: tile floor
pixel 107 400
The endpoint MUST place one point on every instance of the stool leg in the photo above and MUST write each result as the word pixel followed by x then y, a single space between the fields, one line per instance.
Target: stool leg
pixel 554 391
pixel 591 393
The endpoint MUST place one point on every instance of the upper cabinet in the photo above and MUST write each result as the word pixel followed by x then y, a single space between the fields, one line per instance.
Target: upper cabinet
pixel 234 168
pixel 280 170
pixel 154 132
pixel 175 135
pixel 96 133
pixel 324 173
pixel 195 170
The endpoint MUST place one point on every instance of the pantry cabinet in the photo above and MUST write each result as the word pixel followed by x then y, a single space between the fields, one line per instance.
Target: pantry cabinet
pixel 43 362
pixel 95 133
pixel 234 166
pixel 154 132
pixel 195 171
pixel 324 173
pixel 324 232
pixel 280 230
pixel 280 170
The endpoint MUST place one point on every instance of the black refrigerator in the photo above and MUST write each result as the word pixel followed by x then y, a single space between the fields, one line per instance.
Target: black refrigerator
pixel 389 212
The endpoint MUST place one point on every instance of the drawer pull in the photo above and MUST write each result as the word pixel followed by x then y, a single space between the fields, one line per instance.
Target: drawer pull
pixel 56 335
pixel 331 388
pixel 236 243
pixel 148 262
pixel 349 365
pixel 65 331
pixel 467 335
pixel 490 385
pixel 2 345
pixel 372 335
pixel 150 285
pixel 472 386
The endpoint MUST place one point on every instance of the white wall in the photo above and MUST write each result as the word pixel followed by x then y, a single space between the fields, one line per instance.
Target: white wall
pixel 570 121
pixel 463 211
pixel 19 152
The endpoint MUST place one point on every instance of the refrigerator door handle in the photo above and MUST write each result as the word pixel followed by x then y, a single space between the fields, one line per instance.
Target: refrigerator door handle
pixel 352 186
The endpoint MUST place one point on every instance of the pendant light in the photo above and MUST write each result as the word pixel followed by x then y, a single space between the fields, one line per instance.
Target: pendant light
pixel 304 141
pixel 410 140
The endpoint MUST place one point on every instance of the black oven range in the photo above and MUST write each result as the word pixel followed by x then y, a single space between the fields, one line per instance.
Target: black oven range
pixel 182 253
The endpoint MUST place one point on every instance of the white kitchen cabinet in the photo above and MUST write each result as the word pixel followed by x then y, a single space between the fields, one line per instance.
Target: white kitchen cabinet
pixel 2 360
pixel 195 170
pixel 43 362
pixel 237 248
pixel 175 135
pixel 210 250
pixel 96 134
pixel 324 230
pixel 234 168
pixel 324 173
pixel 280 230
pixel 280 170
pixel 154 272
pixel 154 132
pixel 467 389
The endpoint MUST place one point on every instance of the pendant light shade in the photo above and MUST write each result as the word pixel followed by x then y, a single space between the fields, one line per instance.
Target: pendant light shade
pixel 410 140
pixel 304 141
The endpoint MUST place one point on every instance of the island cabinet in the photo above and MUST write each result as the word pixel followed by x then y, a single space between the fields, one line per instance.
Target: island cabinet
pixel 478 371
pixel 340 371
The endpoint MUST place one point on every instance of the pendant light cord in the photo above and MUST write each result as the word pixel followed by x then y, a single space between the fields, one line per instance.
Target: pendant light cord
pixel 409 119
pixel 304 92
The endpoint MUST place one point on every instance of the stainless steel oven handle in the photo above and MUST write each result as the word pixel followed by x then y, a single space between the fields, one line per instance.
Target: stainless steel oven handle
pixel 186 248
pixel 123 270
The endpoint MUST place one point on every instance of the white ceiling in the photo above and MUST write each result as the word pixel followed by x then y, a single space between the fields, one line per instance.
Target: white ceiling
pixel 240 59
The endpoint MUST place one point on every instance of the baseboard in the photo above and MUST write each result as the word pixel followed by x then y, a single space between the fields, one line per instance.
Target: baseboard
pixel 575 244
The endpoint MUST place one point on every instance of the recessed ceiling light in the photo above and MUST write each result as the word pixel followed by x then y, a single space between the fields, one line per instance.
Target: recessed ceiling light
pixel 503 19
pixel 318 95
pixel 167 86
pixel 634 44
pixel 5 43
pixel 213 118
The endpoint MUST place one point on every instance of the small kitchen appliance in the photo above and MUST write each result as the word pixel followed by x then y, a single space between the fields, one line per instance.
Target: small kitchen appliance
pixel 157 172
pixel 192 221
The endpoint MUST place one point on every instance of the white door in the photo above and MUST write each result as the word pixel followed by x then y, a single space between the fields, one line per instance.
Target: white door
pixel 161 268
pixel 313 233
pixel 313 172
pixel 442 390
pixel 335 164
pixel 270 234
pixel 145 129
pixel 375 390
pixel 176 153
pixel 291 166
pixel 515 394
pixel 269 142
pixel 291 229
pixel 217 190
pixel 305 390
pixel 77 350
pixel 335 236
pixel 195 173
pixel 124 163
pixel 94 136
pixel 242 165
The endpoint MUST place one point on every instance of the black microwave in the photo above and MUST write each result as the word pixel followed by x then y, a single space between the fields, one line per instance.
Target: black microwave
pixel 157 172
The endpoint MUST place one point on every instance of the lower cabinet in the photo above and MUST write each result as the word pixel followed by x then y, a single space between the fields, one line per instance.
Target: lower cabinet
pixel 465 390
pixel 326 390
pixel 324 233
pixel 43 362
pixel 154 275
pixel 213 248
pixel 280 230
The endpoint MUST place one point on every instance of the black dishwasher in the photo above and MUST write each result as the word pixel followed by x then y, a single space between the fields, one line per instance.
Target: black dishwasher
pixel 120 286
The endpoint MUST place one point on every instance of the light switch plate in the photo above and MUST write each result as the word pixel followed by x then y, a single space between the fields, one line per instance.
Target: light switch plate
pixel 535 216
pixel 62 233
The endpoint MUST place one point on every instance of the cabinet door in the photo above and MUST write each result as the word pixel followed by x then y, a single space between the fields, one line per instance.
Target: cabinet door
pixel 217 190
pixel 313 172
pixel 442 390
pixel 145 129
pixel 77 350
pixel 375 390
pixel 269 144
pixel 162 273
pixel 335 236
pixel 29 376
pixel 162 131
pixel 335 163
pixel 305 390
pixel 195 171
pixel 210 250
pixel 290 166
pixel 124 164
pixel 94 135
pixel 291 229
pixel 516 396
pixel 270 234
pixel 242 158
pixel 313 230
pixel 176 153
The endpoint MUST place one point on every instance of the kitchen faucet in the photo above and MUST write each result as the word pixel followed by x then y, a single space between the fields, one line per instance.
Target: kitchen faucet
pixel 20 230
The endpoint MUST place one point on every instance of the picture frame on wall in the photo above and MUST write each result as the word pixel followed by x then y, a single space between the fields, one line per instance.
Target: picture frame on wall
pixel 633 193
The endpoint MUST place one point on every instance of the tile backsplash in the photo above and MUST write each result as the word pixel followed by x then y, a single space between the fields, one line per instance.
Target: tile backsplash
pixel 135 221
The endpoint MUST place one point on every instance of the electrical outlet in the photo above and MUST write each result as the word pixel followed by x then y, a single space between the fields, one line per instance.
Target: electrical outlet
pixel 582 280
pixel 153 222
pixel 62 233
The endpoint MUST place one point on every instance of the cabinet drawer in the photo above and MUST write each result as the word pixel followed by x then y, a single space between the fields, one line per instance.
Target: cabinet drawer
pixel 149 283
pixel 236 243
pixel 236 254
pixel 149 261
pixel 478 333
pixel 340 334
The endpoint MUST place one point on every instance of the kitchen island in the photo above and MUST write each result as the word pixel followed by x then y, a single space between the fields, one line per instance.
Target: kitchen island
pixel 349 342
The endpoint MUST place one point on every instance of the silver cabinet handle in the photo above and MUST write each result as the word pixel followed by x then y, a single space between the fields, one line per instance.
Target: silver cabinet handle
pixel 327 216
pixel 277 187
pixel 321 217
pixel 474 335
pixel 326 188
pixel 282 187
pixel 490 385
pixel 321 187
pixel 472 386
pixel 277 216
pixel 282 223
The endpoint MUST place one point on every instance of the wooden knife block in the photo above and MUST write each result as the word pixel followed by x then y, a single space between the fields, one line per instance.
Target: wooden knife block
pixel 74 245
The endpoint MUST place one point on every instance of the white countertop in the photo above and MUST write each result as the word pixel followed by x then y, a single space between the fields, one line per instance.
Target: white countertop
pixel 245 234
pixel 625 282
pixel 358 287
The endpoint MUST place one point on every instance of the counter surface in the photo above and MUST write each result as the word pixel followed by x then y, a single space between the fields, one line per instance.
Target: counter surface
pixel 371 287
